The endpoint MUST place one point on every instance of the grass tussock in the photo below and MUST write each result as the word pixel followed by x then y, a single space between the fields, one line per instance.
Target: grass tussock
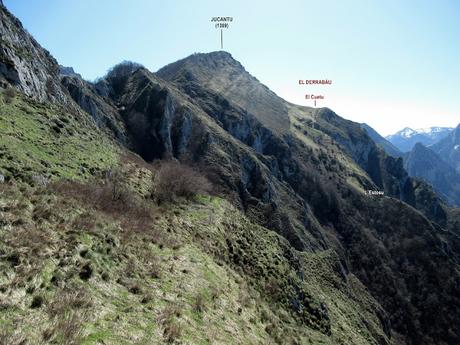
pixel 199 303
pixel 169 319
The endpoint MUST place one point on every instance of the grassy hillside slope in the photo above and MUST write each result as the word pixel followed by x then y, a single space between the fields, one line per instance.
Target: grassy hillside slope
pixel 87 257
pixel 41 141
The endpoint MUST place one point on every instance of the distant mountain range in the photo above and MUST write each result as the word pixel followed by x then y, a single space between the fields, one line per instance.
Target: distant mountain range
pixel 432 154
pixel 406 138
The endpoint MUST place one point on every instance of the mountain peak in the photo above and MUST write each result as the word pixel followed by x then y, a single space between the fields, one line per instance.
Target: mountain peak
pixel 213 62
pixel 220 74
pixel 406 138
pixel 218 55
pixel 407 132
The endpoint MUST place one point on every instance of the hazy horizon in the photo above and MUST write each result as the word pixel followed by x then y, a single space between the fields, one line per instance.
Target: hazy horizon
pixel 392 65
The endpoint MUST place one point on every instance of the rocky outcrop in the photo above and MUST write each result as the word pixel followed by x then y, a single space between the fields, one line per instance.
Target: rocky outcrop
pixel 68 71
pixel 25 65
pixel 387 172
pixel 104 113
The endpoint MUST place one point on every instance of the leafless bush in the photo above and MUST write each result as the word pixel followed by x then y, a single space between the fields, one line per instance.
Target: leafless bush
pixel 9 94
pixel 114 180
pixel 172 180
pixel 108 194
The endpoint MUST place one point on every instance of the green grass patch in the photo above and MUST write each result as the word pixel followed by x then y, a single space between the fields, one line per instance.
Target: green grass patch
pixel 40 139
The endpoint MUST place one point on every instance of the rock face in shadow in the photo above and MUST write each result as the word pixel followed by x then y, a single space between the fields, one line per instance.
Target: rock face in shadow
pixel 104 113
pixel 449 149
pixel 424 163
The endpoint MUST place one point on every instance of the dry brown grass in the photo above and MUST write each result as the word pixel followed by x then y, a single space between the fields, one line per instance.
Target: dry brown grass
pixel 135 215
pixel 30 238
pixel 68 312
pixel 111 197
pixel 84 222
pixel 72 298
pixel 67 329
pixel 28 246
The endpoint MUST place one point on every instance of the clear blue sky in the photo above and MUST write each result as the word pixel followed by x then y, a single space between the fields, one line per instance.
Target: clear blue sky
pixel 393 63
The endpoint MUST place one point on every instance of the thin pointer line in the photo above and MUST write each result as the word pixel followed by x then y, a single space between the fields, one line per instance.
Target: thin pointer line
pixel 221 39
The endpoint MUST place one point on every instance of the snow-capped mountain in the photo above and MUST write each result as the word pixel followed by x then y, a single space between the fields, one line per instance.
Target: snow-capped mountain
pixel 406 138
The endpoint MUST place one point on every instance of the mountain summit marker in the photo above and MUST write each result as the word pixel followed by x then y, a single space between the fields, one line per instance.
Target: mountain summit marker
pixel 221 23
